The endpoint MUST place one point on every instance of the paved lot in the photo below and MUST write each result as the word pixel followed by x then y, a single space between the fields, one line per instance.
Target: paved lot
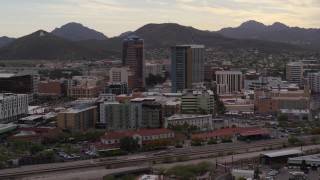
pixel 284 174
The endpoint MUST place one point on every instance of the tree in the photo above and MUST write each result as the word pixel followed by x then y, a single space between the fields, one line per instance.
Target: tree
pixel 256 173
pixel 35 148
pixel 20 145
pixel 49 153
pixel 276 166
pixel 219 105
pixel 128 177
pixel 282 118
pixel 109 177
pixel 196 142
pixel 303 165
pixel 293 140
pixel 128 144
pixel 152 80
pixel 167 158
pixel 314 140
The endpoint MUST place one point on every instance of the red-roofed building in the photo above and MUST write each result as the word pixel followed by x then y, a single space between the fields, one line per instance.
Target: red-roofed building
pixel 34 134
pixel 239 132
pixel 142 136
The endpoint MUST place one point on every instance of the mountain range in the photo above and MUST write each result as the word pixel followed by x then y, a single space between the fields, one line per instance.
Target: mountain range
pixel 75 41
pixel 275 32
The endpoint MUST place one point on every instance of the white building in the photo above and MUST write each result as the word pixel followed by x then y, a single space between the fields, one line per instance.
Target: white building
pixel 314 81
pixel 270 83
pixel 120 75
pixel 294 72
pixel 13 107
pixel 201 121
pixel 154 69
pixel 229 81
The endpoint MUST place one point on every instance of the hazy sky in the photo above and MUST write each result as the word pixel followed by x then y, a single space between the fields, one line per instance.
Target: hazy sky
pixel 112 17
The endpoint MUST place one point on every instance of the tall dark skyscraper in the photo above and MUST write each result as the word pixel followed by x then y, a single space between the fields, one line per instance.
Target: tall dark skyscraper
pixel 133 57
pixel 187 63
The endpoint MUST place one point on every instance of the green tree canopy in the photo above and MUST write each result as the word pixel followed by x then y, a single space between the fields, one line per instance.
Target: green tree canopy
pixel 128 144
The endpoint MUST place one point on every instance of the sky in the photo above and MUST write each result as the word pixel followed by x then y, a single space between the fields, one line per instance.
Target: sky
pixel 113 17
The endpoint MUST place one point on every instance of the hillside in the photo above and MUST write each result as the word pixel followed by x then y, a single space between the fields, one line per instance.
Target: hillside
pixel 5 40
pixel 78 32
pixel 43 45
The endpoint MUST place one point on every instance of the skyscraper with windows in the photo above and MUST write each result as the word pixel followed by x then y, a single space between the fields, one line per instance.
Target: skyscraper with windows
pixel 133 57
pixel 187 63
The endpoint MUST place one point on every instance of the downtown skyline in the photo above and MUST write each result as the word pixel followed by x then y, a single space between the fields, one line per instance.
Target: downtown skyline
pixel 113 17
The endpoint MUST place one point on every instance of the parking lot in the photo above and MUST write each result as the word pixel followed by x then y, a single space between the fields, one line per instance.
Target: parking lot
pixel 286 174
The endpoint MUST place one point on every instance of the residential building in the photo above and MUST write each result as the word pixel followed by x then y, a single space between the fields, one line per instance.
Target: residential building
pixel 116 115
pixel 13 107
pixel 314 82
pixel 294 72
pixel 121 75
pixel 133 57
pixel 187 63
pixel 203 122
pixel 195 101
pixel 137 113
pixel 79 118
pixel 49 88
pixel 229 81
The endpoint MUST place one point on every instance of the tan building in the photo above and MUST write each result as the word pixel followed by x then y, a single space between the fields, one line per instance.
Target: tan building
pixel 282 99
pixel 84 91
pixel 121 75
pixel 49 88
pixel 81 119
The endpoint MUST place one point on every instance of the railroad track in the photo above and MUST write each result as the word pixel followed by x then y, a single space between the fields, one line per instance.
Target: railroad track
pixel 195 152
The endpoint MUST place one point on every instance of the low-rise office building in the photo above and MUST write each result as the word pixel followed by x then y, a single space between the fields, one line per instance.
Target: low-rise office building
pixel 201 121
pixel 13 107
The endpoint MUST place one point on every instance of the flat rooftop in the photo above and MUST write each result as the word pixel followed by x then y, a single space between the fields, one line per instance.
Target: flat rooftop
pixel 187 116
pixel 283 153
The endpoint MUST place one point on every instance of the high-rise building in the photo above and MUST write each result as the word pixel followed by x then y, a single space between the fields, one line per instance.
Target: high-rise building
pixel 314 81
pixel 229 81
pixel 187 63
pixel 133 57
pixel 294 72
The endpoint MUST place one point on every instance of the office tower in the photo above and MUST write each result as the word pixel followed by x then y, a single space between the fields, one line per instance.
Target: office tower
pixel 187 62
pixel 133 57
pixel 294 72
pixel 229 81
pixel 19 81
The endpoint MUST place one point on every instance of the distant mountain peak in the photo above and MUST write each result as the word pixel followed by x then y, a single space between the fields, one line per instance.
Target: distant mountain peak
pixel 77 32
pixel 278 26
pixel 252 24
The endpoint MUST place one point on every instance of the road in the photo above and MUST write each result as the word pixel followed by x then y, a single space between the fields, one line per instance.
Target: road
pixel 99 172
